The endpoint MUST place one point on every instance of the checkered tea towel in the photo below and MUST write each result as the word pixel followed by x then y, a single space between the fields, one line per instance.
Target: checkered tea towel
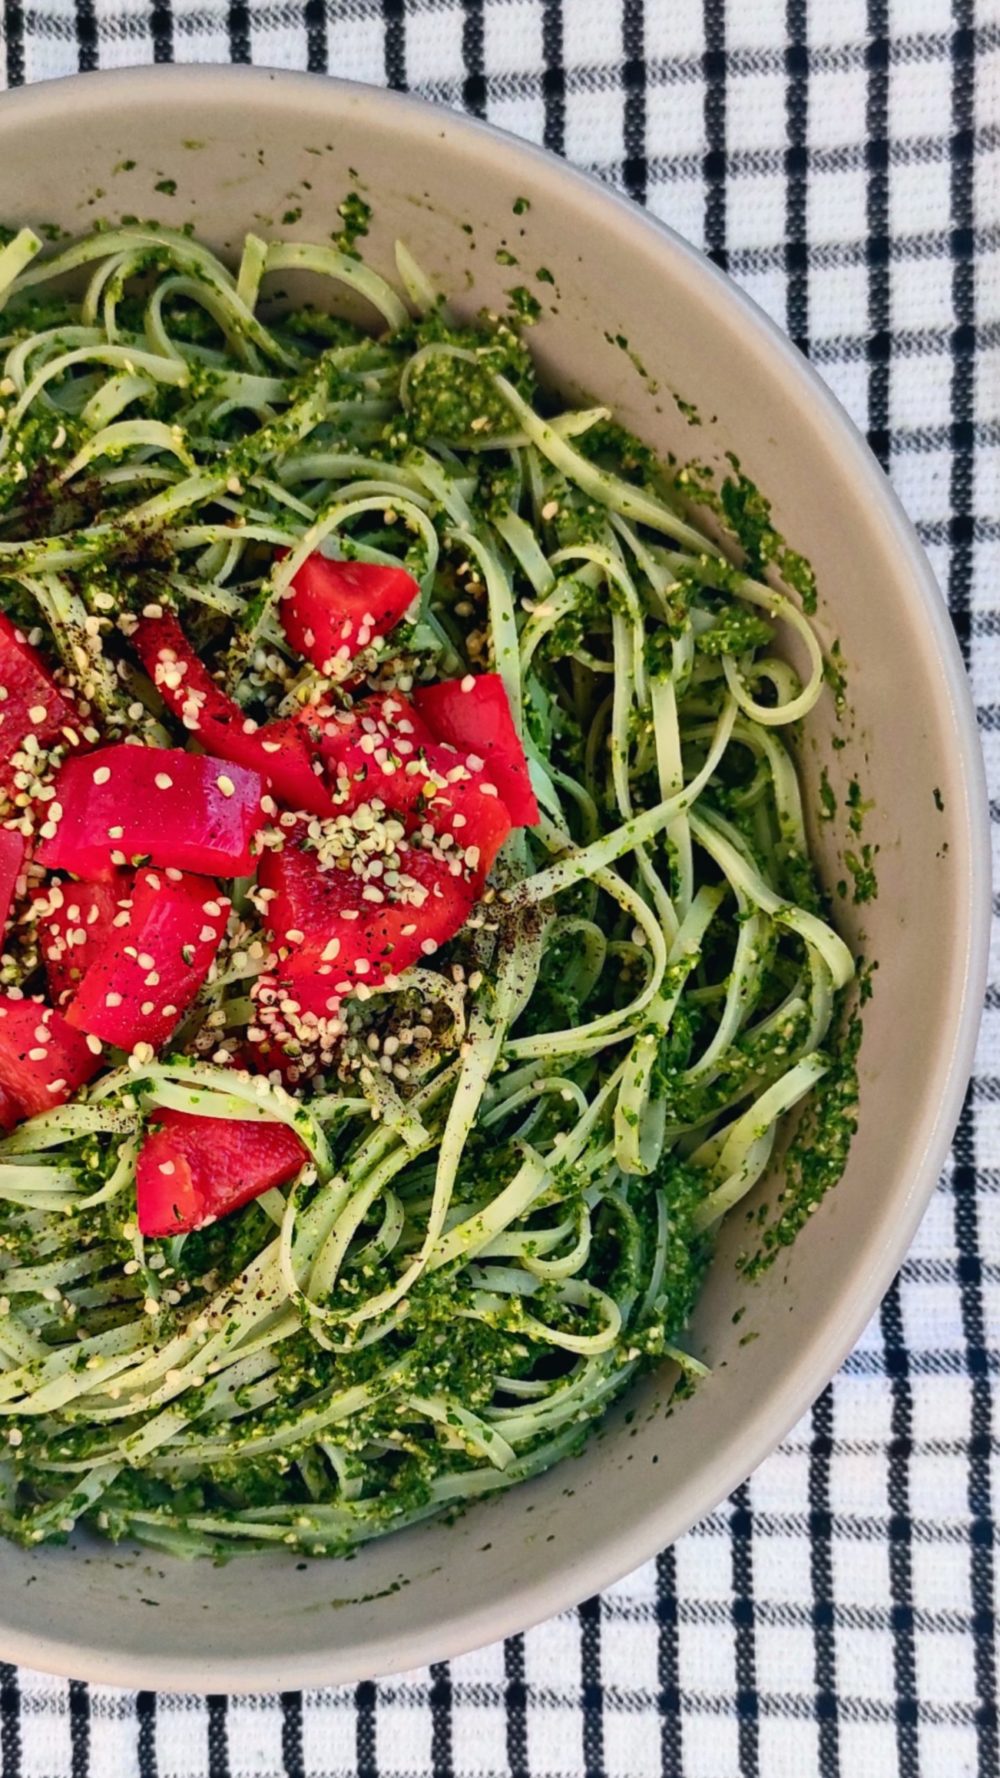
pixel 837 1616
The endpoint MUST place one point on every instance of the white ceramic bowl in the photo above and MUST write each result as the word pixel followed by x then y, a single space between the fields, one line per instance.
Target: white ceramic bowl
pixel 244 148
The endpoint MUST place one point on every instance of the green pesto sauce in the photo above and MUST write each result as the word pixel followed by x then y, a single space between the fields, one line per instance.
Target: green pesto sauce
pixel 817 1155
pixel 356 215
pixel 451 398
pixel 526 307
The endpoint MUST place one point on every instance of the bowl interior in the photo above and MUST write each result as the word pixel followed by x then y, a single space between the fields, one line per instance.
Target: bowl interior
pixel 631 315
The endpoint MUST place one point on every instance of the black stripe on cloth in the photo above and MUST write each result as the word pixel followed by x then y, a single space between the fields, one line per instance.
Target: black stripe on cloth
pixel 292 1758
pixel 796 169
pixel 667 1666
pixel 364 1730
pixel 10 1721
pixel 161 29
pixel 218 1737
pixel 821 1577
pixel 964 1181
pixel 515 1703
pixel 13 30
pixel 145 1710
pixel 79 1729
pixel 981 1558
pixel 714 158
pixel 592 1692
pixel 879 343
pixel 316 53
pixel 963 339
pixel 474 84
pixel 900 1529
pixel 553 76
pixel 394 23
pixel 86 36
pixel 634 81
pixel 238 22
pixel 747 1700
pixel 440 1702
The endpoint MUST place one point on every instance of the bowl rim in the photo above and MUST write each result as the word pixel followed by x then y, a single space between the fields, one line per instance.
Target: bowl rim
pixel 821 1353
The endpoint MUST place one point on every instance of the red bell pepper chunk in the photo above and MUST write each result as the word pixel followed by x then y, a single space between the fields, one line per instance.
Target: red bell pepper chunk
pixel 32 702
pixel 473 714
pixel 193 1168
pixel 75 920
pixel 435 786
pixel 11 1112
pixel 158 805
pixel 387 715
pixel 43 1061
pixel 383 748
pixel 336 935
pixel 278 750
pixel 333 610
pixel 12 851
pixel 147 973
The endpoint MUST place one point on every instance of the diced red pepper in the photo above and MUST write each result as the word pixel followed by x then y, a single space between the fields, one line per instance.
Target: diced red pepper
pixel 266 1055
pixel 11 1112
pixel 128 805
pixel 333 610
pixel 386 715
pixel 12 851
pixel 473 714
pixel 147 973
pixel 31 704
pixel 434 786
pixel 43 1061
pixel 192 1168
pixel 74 922
pixel 277 750
pixel 383 748
pixel 336 934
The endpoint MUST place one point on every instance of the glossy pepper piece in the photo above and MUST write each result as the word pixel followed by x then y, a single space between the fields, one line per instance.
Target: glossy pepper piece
pixel 193 1168
pixel 435 786
pixel 389 716
pixel 74 921
pixel 332 610
pixel 32 703
pixel 12 856
pixel 147 973
pixel 11 1112
pixel 473 714
pixel 327 929
pixel 277 750
pixel 43 1060
pixel 129 805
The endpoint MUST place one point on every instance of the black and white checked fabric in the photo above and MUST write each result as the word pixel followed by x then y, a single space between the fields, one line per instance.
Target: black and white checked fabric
pixel 837 1616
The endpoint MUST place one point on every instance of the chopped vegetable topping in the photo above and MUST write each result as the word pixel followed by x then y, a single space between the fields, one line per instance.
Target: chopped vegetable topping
pixel 43 1061
pixel 277 750
pixel 34 713
pixel 74 921
pixel 333 610
pixel 12 856
pixel 473 714
pixel 192 1169
pixel 148 970
pixel 116 811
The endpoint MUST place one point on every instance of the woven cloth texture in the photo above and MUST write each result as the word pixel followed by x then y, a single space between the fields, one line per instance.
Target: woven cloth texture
pixel 837 1616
